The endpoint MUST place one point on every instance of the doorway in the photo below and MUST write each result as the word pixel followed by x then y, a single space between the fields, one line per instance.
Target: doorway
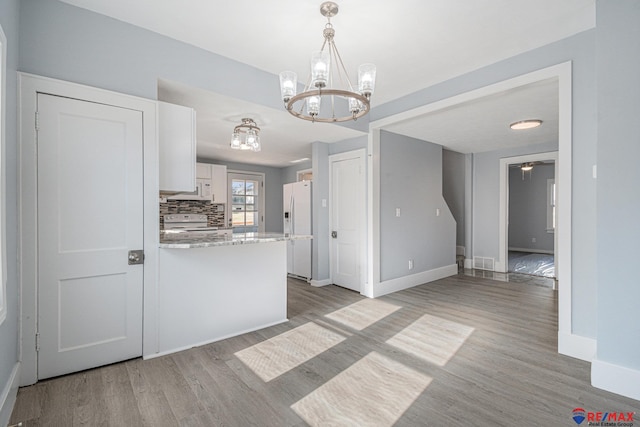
pixel 532 220
pixel 246 201
pixel 91 187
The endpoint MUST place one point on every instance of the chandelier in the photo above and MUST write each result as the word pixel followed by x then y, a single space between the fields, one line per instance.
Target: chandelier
pixel 246 136
pixel 321 101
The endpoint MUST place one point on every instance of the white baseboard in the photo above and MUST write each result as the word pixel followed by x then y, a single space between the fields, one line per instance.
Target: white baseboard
pixel 318 283
pixel 9 394
pixel 577 346
pixel 616 379
pixel 468 263
pixel 406 282
pixel 535 251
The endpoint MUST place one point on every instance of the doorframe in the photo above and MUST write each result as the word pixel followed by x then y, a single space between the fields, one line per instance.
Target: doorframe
pixel 29 86
pixel 261 199
pixel 502 264
pixel 568 343
pixel 359 154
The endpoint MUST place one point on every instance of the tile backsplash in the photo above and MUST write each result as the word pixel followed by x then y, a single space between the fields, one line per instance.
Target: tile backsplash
pixel 214 211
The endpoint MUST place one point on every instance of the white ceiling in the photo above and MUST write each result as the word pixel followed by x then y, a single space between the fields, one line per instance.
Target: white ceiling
pixel 414 43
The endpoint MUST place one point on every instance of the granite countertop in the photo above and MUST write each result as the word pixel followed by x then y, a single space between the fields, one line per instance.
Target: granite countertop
pixel 186 239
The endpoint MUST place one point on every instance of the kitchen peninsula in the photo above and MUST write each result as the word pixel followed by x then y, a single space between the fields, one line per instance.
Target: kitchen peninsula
pixel 215 287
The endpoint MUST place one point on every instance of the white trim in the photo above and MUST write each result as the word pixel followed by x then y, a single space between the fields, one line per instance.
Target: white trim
pixel 9 394
pixel 320 283
pixel 406 282
pixel 359 154
pixel 224 337
pixel 577 346
pixel 468 263
pixel 616 379
pixel 29 86
pixel 563 176
pixel 534 251
pixel 3 178
pixel 303 172
pixel 373 212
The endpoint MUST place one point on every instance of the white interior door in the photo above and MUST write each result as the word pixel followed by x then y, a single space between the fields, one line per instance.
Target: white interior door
pixel 347 219
pixel 90 214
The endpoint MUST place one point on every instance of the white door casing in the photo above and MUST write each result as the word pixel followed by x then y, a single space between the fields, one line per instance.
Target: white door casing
pixel 90 214
pixel 347 219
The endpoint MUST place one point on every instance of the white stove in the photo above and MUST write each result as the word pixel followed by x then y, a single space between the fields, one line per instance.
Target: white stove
pixel 194 224
pixel 187 222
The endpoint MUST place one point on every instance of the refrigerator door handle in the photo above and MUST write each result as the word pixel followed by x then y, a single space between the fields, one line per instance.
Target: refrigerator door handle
pixel 291 215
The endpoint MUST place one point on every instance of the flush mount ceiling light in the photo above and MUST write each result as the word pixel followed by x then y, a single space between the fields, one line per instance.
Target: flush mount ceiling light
pixel 246 136
pixel 321 101
pixel 525 124
pixel 525 167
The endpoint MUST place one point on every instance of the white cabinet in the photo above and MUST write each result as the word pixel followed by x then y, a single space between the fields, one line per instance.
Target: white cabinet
pixel 177 147
pixel 211 183
pixel 203 170
pixel 219 185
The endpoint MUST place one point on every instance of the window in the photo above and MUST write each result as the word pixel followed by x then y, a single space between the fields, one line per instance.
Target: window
pixel 305 175
pixel 247 202
pixel 551 205
pixel 3 271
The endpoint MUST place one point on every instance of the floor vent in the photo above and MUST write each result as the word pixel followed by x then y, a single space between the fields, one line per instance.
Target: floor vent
pixel 483 263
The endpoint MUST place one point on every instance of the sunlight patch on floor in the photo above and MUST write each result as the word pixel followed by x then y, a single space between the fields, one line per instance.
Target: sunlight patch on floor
pixel 275 356
pixel 363 314
pixel 375 391
pixel 432 338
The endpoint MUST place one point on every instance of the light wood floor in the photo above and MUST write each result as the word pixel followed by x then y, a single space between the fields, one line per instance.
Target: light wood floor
pixel 465 350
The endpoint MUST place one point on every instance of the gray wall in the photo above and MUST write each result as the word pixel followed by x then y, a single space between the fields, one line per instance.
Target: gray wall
pixel 453 178
pixel 411 179
pixel 9 329
pixel 528 208
pixel 65 42
pixel 290 174
pixel 486 196
pixel 272 191
pixel 580 50
pixel 618 52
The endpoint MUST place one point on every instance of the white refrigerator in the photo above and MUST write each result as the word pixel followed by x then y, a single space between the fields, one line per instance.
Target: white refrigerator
pixel 297 220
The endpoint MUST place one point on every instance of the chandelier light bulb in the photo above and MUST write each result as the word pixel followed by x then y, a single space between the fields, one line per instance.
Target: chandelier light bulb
pixel 288 84
pixel 366 79
pixel 320 65
pixel 313 105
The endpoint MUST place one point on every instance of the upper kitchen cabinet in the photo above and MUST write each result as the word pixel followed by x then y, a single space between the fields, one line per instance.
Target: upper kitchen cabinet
pixel 177 147
pixel 219 177
pixel 216 177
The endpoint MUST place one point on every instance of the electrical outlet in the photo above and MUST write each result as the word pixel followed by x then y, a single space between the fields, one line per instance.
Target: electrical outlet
pixel 398 212
pixel 437 212
pixel 410 264
pixel 533 240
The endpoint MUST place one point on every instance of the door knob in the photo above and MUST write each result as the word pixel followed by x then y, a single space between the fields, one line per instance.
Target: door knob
pixel 334 234
pixel 136 257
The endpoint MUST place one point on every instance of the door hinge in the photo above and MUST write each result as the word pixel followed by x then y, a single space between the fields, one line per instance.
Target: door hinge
pixel 37 341
pixel 37 121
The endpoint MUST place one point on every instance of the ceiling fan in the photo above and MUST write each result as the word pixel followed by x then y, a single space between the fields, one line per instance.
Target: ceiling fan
pixel 526 167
